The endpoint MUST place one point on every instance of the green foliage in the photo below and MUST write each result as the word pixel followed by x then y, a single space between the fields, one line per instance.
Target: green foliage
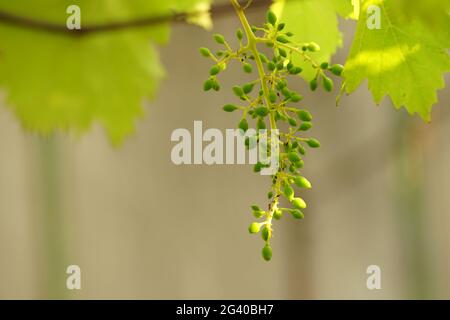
pixel 405 59
pixel 313 21
pixel 56 82
pixel 273 102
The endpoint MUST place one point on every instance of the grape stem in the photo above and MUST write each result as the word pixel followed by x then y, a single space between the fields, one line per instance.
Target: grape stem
pixel 252 45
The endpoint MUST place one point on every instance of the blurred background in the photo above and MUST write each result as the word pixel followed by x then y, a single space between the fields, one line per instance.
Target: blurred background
pixel 141 227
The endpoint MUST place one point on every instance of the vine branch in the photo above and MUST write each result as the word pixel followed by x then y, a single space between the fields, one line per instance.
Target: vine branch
pixel 45 26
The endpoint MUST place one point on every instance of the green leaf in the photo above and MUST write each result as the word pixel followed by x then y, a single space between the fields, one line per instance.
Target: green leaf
pixel 405 59
pixel 56 82
pixel 313 21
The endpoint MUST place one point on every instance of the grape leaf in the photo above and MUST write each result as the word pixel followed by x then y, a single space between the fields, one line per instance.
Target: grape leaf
pixel 405 59
pixel 313 20
pixel 58 82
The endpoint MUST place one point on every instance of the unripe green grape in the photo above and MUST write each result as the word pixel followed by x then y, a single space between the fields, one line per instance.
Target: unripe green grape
pixel 247 88
pixel 247 68
pixel 205 52
pixel 295 70
pixel 288 192
pixel 292 122
pixel 304 115
pixel 262 111
pixel 229 108
pixel 277 214
pixel 280 66
pixel 238 91
pixel 302 182
pixel 297 214
pixel 296 97
pixel 265 234
pixel 258 214
pixel 255 208
pixel 271 17
pixel 289 66
pixel 271 66
pixel 286 92
pixel 301 150
pixel 267 252
pixel 263 58
pixel 313 84
pixel 298 203
pixel 281 26
pixel 282 39
pixel 219 38
pixel 293 157
pixel 289 34
pixel 305 126
pixel 239 34
pixel 300 164
pixel 254 227
pixel 280 85
pixel 337 69
pixel 282 52
pixel 257 167
pixel 327 83
pixel 272 96
pixel 313 143
pixel 324 65
pixel 208 85
pixel 269 195
pixel 216 85
pixel 313 47
pixel 214 70
pixel 260 124
pixel 243 125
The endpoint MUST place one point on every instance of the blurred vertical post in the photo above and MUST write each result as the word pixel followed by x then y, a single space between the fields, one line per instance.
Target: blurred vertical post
pixel 50 217
pixel 409 196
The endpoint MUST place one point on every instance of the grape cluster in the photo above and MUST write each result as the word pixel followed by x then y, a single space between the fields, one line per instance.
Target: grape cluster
pixel 268 102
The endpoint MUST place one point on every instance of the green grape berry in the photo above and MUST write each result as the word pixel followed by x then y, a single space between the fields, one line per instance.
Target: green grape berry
pixel 313 47
pixel 304 115
pixel 260 124
pixel 327 83
pixel 305 126
pixel 254 227
pixel 239 34
pixel 313 84
pixel 247 67
pixel 277 214
pixel 229 108
pixel 271 17
pixel 247 88
pixel 282 39
pixel 214 70
pixel 262 111
pixel 324 65
pixel 219 38
pixel 208 85
pixel 205 52
pixel 313 143
pixel 302 182
pixel 288 192
pixel 238 91
pixel 297 214
pixel 298 203
pixel 293 157
pixel 337 69
pixel 267 252
pixel 243 125
pixel 265 234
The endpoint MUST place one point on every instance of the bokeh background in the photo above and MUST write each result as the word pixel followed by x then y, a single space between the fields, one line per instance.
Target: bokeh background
pixel 141 227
